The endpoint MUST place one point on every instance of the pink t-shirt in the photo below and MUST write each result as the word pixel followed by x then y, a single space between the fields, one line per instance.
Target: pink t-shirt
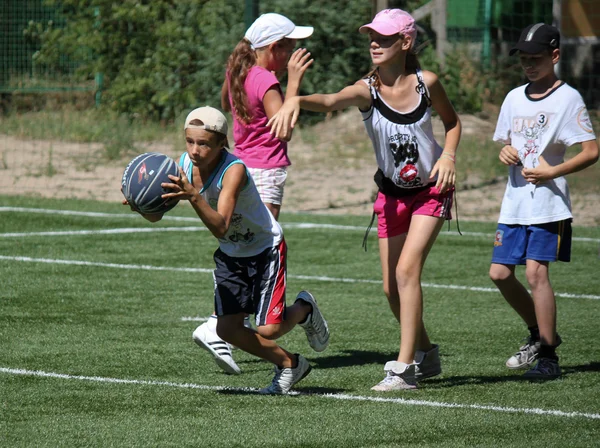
pixel 253 142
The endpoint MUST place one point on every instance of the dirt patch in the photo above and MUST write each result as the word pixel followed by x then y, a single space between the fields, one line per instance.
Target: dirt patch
pixel 332 172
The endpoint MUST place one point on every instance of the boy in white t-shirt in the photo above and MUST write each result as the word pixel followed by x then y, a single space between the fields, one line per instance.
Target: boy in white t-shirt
pixel 537 122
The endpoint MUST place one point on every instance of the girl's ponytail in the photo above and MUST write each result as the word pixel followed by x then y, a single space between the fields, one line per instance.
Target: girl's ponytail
pixel 241 60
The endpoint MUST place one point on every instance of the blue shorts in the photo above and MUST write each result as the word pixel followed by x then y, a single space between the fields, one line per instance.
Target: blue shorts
pixel 515 243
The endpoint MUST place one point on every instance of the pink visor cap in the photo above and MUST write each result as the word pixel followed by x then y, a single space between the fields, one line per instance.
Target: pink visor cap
pixel 392 21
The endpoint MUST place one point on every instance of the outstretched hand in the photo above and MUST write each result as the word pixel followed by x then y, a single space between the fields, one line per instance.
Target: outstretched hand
pixel 284 120
pixel 540 174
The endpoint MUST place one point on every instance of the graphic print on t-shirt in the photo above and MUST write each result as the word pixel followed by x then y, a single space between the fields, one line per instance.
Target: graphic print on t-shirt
pixel 405 149
pixel 531 129
pixel 237 235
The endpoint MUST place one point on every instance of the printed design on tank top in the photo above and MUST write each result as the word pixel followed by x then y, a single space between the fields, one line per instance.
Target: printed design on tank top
pixel 236 227
pixel 531 129
pixel 405 149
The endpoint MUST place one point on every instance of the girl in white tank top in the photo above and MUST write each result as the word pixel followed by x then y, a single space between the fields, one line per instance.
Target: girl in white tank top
pixel 409 160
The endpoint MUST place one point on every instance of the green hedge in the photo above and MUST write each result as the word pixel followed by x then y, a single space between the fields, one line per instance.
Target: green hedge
pixel 161 58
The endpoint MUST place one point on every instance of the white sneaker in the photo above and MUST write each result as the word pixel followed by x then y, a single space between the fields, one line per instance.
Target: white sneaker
pixel 315 327
pixel 527 354
pixel 428 364
pixel 399 376
pixel 285 378
pixel 221 351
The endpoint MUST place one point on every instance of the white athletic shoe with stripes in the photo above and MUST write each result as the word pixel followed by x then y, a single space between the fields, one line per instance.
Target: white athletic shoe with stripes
pixel 221 350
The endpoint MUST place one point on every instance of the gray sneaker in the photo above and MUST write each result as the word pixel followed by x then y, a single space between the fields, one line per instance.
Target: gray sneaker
pixel 545 369
pixel 285 378
pixel 315 327
pixel 527 354
pixel 398 376
pixel 428 364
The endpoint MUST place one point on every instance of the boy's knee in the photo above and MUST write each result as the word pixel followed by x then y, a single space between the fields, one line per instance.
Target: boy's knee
pixel 499 273
pixel 536 276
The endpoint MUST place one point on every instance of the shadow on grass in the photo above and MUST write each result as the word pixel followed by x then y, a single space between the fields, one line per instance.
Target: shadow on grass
pixel 474 380
pixel 351 358
pixel 348 358
pixel 296 391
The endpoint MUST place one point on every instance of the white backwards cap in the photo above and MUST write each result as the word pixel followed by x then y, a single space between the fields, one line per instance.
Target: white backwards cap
pixel 212 120
pixel 271 27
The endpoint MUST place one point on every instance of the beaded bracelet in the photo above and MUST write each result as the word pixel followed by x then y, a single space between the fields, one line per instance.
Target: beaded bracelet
pixel 448 156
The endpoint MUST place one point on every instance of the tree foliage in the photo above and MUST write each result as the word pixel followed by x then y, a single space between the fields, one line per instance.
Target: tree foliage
pixel 160 58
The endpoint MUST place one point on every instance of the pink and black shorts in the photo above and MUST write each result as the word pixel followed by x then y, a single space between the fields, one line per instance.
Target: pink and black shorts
pixel 395 213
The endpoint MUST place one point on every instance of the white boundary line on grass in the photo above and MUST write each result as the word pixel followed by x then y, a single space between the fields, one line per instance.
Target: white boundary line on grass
pixel 298 277
pixel 305 225
pixel 121 230
pixel 401 401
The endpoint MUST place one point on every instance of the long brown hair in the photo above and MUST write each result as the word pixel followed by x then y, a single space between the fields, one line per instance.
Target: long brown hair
pixel 241 60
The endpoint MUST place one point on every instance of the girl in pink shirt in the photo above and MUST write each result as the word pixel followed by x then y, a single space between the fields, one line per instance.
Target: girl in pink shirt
pixel 252 94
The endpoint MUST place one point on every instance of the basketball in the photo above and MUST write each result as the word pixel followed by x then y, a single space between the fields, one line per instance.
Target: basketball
pixel 142 179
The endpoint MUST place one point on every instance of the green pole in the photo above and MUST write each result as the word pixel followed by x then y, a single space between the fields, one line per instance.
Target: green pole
pixel 251 12
pixel 487 38
pixel 99 78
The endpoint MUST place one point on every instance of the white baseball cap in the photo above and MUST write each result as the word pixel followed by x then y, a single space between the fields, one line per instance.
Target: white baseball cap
pixel 212 120
pixel 271 27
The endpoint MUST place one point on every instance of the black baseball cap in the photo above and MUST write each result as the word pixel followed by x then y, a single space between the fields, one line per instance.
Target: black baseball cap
pixel 537 39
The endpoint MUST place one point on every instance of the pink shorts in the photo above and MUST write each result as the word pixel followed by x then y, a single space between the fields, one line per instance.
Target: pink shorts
pixel 394 214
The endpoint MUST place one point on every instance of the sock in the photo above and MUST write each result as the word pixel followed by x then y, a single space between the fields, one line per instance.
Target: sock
pixel 535 333
pixel 548 351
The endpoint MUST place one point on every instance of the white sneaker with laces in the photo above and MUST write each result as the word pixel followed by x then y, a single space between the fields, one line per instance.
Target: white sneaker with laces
pixel 526 356
pixel 399 376
pixel 285 378
pixel 221 350
pixel 428 364
pixel 315 327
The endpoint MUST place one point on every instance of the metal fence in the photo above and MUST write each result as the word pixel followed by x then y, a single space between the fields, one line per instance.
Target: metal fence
pixel 488 27
pixel 22 22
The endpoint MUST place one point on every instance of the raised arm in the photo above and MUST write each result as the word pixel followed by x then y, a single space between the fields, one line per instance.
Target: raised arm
pixel 356 95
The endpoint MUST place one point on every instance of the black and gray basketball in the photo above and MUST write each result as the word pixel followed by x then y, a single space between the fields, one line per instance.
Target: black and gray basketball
pixel 142 179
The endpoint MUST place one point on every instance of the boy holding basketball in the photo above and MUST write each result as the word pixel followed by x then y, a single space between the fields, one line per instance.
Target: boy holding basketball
pixel 537 123
pixel 250 273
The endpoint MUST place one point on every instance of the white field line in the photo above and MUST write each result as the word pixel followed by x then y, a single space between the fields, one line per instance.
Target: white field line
pixel 399 401
pixel 194 319
pixel 195 220
pixel 298 277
